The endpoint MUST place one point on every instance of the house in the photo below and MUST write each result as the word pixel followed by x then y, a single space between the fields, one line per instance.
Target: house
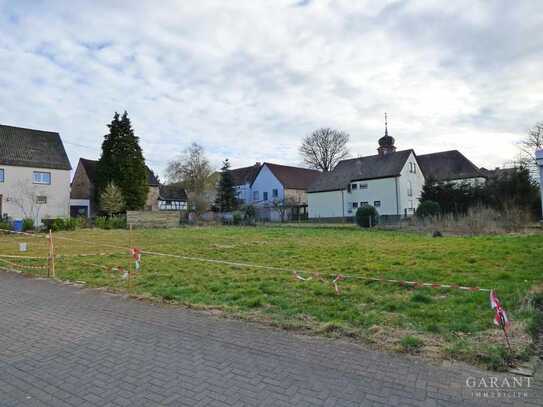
pixel 34 174
pixel 242 178
pixel 391 181
pixel 450 166
pixel 83 190
pixel 275 182
pixel 268 185
pixel 172 198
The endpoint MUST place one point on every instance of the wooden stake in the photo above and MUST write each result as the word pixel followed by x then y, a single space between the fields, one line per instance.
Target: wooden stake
pixel 53 272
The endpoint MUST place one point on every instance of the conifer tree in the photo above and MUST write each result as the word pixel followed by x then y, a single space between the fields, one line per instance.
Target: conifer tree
pixel 122 163
pixel 226 195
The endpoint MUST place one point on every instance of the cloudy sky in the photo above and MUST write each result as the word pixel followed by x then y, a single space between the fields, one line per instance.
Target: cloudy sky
pixel 248 79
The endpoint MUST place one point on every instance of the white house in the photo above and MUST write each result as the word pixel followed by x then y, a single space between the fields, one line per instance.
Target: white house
pixel 242 179
pixel 265 185
pixel 34 174
pixel 391 181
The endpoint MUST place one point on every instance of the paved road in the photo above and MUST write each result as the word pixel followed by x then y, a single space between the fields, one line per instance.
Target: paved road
pixel 65 346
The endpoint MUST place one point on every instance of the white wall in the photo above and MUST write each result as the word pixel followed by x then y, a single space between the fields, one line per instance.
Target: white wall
pixel 325 204
pixel 383 190
pixel 413 181
pixel 244 192
pixel 266 182
pixel 19 192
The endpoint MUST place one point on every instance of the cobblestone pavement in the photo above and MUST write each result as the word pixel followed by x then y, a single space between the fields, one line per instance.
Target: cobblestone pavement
pixel 65 346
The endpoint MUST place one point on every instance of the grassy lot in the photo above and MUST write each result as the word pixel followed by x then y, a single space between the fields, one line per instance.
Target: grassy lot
pixel 433 322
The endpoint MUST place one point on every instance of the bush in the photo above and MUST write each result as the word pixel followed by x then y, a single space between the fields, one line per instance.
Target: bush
pixel 58 224
pixel 81 222
pixel 250 214
pixel 28 224
pixel 236 218
pixel 4 224
pixel 366 216
pixel 114 222
pixel 428 209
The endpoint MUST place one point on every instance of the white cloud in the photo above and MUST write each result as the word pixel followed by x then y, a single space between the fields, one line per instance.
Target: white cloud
pixel 249 79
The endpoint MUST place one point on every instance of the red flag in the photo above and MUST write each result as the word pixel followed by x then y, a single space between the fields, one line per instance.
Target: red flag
pixel 501 316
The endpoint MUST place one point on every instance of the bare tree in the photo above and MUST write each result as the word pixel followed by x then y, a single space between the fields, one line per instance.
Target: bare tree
pixel 324 148
pixel 192 169
pixel 283 206
pixel 29 200
pixel 528 146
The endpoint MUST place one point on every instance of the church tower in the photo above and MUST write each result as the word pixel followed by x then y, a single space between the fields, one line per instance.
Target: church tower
pixel 386 143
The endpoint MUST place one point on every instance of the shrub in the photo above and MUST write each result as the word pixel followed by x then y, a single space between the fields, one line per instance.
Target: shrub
pixel 250 214
pixel 114 222
pixel 366 216
pixel 58 224
pixel 428 209
pixel 236 218
pixel 4 224
pixel 28 224
pixel 81 222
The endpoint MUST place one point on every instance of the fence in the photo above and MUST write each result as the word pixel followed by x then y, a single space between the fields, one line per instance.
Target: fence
pixel 120 260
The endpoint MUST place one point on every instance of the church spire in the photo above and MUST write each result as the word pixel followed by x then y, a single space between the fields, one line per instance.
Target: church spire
pixel 386 143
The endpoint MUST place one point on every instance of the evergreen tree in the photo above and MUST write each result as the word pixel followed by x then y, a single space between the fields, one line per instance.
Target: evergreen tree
pixel 226 195
pixel 111 199
pixel 122 163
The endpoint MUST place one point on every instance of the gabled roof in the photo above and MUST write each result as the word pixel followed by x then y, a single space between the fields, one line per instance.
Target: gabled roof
pixel 172 192
pixel 497 172
pixel 245 175
pixel 32 148
pixel 359 169
pixel 90 169
pixel 448 166
pixel 293 177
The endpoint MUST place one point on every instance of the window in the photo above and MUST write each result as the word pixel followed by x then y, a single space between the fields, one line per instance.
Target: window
pixel 275 193
pixel 39 177
pixel 364 203
pixel 255 195
pixel 409 188
pixel 265 196
pixel 1 175
pixel 363 186
pixel 40 199
pixel 355 205
pixel 354 186
pixel 412 168
pixel 377 204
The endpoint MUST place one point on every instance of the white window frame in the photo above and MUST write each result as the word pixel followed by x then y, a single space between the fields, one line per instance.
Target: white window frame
pixel 355 205
pixel 364 186
pixel 364 203
pixel 409 188
pixel 376 204
pixel 354 186
pixel 2 176
pixel 37 177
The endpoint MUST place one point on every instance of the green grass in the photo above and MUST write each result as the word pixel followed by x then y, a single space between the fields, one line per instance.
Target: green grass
pixel 507 263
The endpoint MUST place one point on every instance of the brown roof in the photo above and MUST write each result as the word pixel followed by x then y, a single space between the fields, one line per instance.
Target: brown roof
pixel 32 148
pixel 245 175
pixel 361 168
pixel 293 177
pixel 448 166
pixel 90 168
